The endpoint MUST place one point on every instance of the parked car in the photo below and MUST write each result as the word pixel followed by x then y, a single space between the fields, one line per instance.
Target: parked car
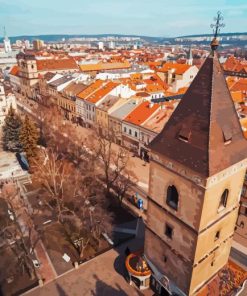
pixel 22 161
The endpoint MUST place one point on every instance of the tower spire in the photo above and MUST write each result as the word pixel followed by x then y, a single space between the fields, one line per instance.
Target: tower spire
pixel 4 32
pixel 216 30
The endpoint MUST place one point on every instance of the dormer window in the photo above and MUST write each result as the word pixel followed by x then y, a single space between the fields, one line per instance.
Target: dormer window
pixel 227 133
pixel 184 134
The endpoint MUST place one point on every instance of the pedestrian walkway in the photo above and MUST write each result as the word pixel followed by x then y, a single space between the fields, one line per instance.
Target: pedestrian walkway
pixel 46 270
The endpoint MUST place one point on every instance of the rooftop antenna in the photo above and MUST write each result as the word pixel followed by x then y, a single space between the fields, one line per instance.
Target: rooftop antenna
pixel 216 29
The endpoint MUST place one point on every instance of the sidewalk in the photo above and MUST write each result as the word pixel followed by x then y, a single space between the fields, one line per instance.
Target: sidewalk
pixel 46 269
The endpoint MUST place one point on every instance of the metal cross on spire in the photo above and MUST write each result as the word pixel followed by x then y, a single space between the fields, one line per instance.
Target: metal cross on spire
pixel 216 29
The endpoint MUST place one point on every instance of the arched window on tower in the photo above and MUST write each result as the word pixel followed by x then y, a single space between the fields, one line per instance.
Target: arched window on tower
pixel 172 197
pixel 223 198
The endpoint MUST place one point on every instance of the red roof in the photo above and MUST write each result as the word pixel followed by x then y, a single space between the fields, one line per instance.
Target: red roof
pixel 14 71
pixel 235 65
pixel 102 92
pixel 56 64
pixel 178 68
pixel 141 113
pixel 240 85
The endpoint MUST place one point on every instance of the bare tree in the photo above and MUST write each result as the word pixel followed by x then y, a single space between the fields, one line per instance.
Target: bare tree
pixel 115 159
pixel 75 195
pixel 17 227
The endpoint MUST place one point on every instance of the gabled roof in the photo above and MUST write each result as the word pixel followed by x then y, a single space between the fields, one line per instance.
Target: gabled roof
pixel 56 64
pixel 104 66
pixel 61 81
pixel 178 68
pixel 48 76
pixel 235 65
pixel 74 88
pixel 240 85
pixel 90 89
pixel 204 133
pixel 124 109
pixel 108 102
pixel 141 113
pixel 157 121
pixel 102 92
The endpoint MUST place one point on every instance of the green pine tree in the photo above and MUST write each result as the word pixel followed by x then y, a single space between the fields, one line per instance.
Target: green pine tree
pixel 11 131
pixel 29 136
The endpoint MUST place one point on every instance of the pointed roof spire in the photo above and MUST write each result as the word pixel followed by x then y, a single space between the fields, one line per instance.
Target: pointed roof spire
pixel 5 33
pixel 204 133
pixel 190 54
pixel 216 30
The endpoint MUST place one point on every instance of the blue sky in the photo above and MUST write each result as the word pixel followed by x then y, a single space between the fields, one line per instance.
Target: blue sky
pixel 145 17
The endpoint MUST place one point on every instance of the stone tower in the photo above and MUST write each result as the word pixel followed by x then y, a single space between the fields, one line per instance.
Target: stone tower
pixel 198 164
pixel 28 73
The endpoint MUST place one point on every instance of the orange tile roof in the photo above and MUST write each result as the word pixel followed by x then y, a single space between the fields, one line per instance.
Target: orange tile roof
pixel 240 85
pixel 230 80
pixel 235 65
pixel 237 96
pixel 14 71
pixel 141 113
pixel 90 89
pixel 102 92
pixel 180 91
pixel 105 66
pixel 56 64
pixel 154 88
pixel 178 68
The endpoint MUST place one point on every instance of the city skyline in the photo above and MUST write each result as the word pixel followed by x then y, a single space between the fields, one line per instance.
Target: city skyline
pixel 118 17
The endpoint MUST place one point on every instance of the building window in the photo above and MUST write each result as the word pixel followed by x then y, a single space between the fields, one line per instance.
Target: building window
pixel 125 129
pixel 165 258
pixel 223 199
pixel 136 134
pixel 130 131
pixel 169 231
pixel 217 235
pixel 172 197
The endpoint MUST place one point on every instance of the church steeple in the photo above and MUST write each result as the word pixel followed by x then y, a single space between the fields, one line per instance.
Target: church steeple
pixel 204 133
pixel 190 57
pixel 6 41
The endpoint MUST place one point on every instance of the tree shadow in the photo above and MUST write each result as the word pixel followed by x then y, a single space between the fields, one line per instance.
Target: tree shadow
pixel 103 289
pixel 61 291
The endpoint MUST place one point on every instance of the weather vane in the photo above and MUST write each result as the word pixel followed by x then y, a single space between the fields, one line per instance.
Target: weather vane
pixel 216 29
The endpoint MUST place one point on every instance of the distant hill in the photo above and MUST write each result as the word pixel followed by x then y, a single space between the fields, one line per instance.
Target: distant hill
pixel 210 35
pixel 60 37
pixel 237 38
